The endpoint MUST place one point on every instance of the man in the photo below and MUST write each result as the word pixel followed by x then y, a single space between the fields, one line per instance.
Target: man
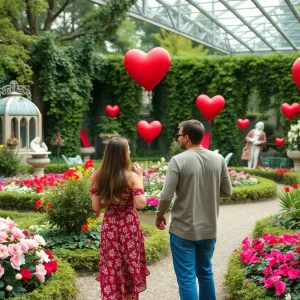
pixel 198 177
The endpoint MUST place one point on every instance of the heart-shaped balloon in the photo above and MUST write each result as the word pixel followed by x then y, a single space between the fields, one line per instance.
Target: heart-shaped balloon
pixel 210 107
pixel 296 72
pixel 149 132
pixel 279 141
pixel 147 69
pixel 112 111
pixel 290 111
pixel 243 124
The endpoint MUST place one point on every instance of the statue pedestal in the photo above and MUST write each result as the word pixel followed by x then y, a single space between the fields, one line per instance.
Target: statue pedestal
pixel 38 160
pixel 86 152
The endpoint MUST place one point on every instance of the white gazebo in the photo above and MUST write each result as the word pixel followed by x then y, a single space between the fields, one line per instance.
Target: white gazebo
pixel 19 117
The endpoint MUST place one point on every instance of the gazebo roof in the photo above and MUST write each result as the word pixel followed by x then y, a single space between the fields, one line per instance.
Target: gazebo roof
pixel 15 104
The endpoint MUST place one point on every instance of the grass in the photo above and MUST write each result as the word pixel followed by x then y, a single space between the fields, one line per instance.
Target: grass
pixel 23 219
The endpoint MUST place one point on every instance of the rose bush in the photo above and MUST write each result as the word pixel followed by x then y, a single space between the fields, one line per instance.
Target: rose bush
pixel 25 264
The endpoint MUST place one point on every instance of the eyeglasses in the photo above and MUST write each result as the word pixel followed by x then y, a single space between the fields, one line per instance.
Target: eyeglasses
pixel 178 135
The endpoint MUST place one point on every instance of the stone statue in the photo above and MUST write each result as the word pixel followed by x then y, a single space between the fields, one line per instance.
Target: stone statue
pixel 36 147
pixel 255 139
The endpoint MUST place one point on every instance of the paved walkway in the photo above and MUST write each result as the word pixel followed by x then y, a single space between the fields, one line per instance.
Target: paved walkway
pixel 235 222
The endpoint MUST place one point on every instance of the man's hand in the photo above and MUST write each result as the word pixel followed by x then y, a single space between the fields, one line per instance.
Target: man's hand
pixel 161 224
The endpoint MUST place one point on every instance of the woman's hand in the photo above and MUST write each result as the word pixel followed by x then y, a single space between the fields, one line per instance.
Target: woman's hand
pixel 137 169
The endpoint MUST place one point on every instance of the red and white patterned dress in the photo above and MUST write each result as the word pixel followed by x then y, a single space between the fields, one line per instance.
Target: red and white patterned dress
pixel 122 267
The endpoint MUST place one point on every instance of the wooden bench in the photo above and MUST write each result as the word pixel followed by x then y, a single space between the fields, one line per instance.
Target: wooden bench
pixel 274 162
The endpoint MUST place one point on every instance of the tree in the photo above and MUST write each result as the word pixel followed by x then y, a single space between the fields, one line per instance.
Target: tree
pixel 178 45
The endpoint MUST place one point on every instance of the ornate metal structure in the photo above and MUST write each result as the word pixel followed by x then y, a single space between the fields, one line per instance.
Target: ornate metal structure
pixel 15 87
pixel 229 26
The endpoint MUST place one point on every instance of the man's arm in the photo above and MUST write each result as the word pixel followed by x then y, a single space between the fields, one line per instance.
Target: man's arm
pixel 170 184
pixel 226 187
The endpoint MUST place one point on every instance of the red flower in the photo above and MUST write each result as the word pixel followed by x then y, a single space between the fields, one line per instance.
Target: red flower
pixel 25 274
pixel 38 204
pixel 89 164
pixel 49 253
pixel 54 265
pixel 25 232
pixel 297 250
pixel 49 206
pixel 97 215
pixel 48 267
pixel 39 188
pixel 287 189
pixel 84 227
pixel 295 185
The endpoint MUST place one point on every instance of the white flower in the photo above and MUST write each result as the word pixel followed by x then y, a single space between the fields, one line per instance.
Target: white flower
pixel 43 256
pixel 39 239
pixel 288 297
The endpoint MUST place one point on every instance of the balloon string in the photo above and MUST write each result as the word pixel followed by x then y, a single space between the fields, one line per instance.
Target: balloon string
pixel 148 163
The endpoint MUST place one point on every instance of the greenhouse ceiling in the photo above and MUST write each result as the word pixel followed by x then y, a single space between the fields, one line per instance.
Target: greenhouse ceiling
pixel 229 26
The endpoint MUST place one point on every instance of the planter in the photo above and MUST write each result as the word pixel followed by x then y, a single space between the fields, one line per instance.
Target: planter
pixel 86 152
pixel 12 147
pixel 148 217
pixel 107 138
pixel 294 155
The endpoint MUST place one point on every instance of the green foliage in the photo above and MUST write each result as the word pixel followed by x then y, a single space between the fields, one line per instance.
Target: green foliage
pixel 61 287
pixel 291 178
pixel 156 245
pixel 237 286
pixel 70 205
pixel 109 125
pixel 12 200
pixel 174 148
pixel 178 45
pixel 289 198
pixel 9 163
pixel 264 189
pixel 288 220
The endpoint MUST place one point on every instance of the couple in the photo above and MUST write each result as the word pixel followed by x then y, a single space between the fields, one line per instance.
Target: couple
pixel 198 178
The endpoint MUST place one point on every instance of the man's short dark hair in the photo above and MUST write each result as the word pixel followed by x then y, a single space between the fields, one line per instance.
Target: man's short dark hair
pixel 194 130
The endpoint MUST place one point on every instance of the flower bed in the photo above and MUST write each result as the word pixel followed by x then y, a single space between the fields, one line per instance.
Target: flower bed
pixel 239 179
pixel 265 268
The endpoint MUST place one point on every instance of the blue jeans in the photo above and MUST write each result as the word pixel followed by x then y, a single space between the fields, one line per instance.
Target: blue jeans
pixel 191 259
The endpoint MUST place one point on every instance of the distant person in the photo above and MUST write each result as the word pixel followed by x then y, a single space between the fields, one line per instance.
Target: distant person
pixel 122 267
pixel 196 178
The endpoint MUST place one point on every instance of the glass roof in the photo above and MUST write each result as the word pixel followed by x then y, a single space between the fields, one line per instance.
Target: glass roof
pixel 230 26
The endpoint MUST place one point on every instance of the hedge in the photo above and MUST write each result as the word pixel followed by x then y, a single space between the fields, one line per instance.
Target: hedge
pixel 264 189
pixel 156 245
pixel 288 178
pixel 61 287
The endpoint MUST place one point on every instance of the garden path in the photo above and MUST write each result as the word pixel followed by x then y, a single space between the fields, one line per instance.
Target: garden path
pixel 235 222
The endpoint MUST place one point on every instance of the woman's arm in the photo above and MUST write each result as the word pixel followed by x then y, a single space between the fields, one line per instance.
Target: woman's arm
pixel 97 204
pixel 138 184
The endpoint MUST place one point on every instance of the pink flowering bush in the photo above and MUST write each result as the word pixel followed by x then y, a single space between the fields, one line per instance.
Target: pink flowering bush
pixel 241 178
pixel 24 262
pixel 273 262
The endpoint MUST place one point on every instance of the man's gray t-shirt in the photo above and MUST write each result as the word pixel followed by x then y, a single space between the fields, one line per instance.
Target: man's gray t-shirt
pixel 196 178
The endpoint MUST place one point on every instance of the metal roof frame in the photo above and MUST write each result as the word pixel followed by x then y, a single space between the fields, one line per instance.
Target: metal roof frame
pixel 229 26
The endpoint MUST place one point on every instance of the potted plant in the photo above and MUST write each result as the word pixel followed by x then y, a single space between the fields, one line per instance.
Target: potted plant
pixel 109 128
pixel 12 142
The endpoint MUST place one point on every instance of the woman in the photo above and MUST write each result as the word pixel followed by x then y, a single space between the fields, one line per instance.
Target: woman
pixel 122 268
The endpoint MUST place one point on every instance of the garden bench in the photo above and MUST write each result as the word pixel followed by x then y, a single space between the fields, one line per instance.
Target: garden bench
pixel 274 162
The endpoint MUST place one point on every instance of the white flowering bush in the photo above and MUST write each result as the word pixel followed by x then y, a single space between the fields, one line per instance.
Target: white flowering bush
pixel 24 262
pixel 293 137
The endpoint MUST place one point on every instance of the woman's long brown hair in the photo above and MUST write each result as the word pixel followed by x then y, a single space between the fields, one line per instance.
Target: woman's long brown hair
pixel 111 178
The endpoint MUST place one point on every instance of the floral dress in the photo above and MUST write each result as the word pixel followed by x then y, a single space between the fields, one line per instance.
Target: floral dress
pixel 122 267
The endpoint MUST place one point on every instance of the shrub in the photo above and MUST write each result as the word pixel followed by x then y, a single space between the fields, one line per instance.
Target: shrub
pixel 289 198
pixel 69 205
pixel 174 148
pixel 10 200
pixel 9 163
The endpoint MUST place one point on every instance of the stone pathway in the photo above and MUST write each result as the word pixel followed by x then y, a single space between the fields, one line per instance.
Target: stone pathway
pixel 235 222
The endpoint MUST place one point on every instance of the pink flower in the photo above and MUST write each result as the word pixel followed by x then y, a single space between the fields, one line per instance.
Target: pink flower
pixel 40 273
pixel 294 273
pixel 1 271
pixel 269 283
pixel 14 249
pixel 11 224
pixel 267 271
pixel 280 288
pixel 3 251
pixel 17 233
pixel 3 237
pixel 18 276
pixel 17 260
pixel 39 239
pixel 272 262
pixel 259 247
pixel 24 246
pixel 289 255
pixel 9 288
pixel 32 244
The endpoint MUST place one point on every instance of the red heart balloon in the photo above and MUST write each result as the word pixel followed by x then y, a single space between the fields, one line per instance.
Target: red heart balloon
pixel 112 111
pixel 279 141
pixel 290 111
pixel 243 124
pixel 149 132
pixel 147 69
pixel 210 108
pixel 296 72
